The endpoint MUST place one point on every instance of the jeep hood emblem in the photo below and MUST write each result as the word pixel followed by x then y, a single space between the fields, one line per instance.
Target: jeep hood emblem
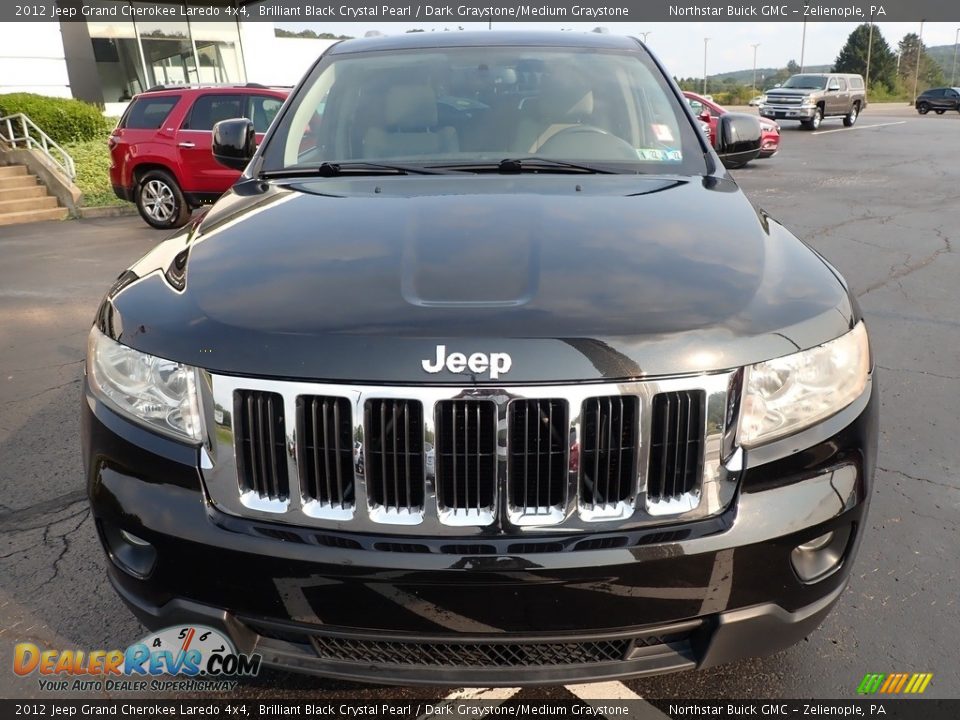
pixel 497 363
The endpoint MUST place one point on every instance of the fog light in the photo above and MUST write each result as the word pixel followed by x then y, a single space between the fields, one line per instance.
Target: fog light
pixel 132 554
pixel 821 556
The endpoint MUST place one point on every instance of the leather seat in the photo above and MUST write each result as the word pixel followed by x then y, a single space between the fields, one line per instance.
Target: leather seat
pixel 410 126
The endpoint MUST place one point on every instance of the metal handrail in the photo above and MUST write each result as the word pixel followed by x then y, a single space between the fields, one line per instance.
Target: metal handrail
pixel 32 137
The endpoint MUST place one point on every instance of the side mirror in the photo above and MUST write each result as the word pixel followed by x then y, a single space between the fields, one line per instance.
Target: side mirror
pixel 705 116
pixel 738 139
pixel 234 142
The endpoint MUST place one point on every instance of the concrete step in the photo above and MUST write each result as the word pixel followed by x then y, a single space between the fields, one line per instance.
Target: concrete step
pixel 12 170
pixel 19 193
pixel 44 202
pixel 17 181
pixel 15 218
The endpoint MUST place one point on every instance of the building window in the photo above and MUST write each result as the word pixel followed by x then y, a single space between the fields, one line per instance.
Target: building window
pixel 218 51
pixel 167 51
pixel 117 55
pixel 133 56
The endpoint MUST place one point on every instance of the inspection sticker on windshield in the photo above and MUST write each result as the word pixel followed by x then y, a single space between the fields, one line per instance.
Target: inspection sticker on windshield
pixel 662 132
pixel 660 154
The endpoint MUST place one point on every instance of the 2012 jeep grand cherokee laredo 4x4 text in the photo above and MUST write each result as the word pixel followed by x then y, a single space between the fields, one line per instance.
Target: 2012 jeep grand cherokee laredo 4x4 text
pixel 485 372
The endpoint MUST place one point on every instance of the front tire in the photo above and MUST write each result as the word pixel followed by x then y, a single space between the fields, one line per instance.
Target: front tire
pixel 851 117
pixel 160 201
pixel 923 108
pixel 814 122
pixel 940 112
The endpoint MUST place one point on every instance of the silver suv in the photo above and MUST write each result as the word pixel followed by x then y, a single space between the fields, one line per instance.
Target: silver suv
pixel 811 97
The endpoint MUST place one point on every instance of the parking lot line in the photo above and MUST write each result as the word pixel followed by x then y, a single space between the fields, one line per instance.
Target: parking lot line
pixel 858 127
pixel 483 694
pixel 596 693
pixel 615 690
pixel 493 695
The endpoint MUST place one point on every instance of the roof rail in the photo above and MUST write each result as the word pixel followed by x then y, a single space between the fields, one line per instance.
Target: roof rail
pixel 193 86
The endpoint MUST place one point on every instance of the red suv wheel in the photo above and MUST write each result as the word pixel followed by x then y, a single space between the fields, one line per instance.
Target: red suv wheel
pixel 160 201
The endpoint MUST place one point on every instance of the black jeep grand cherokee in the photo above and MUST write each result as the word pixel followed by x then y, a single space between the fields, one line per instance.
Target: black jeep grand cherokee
pixel 485 372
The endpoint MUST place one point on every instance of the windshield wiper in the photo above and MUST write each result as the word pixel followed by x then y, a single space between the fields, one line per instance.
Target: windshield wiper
pixel 335 169
pixel 526 164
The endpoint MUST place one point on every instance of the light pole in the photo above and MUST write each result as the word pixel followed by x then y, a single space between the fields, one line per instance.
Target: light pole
pixel 803 44
pixel 953 72
pixel 869 52
pixel 916 72
pixel 705 41
pixel 755 46
pixel 645 36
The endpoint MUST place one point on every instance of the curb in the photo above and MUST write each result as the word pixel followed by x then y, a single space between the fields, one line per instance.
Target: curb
pixel 107 211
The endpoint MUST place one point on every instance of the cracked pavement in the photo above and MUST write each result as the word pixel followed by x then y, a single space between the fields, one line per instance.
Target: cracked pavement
pixel 883 205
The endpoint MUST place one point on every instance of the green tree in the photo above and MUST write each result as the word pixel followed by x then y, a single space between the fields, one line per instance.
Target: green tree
pixel 853 57
pixel 930 73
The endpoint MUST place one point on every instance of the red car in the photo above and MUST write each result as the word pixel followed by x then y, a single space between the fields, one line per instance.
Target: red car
pixel 160 154
pixel 708 111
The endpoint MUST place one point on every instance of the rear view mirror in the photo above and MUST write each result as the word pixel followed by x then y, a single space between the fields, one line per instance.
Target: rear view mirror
pixel 234 142
pixel 738 139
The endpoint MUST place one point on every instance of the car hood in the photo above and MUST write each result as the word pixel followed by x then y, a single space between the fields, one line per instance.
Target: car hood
pixel 578 278
pixel 794 91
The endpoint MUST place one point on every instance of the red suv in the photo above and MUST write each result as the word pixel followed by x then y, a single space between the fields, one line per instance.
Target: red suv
pixel 160 150
pixel 708 112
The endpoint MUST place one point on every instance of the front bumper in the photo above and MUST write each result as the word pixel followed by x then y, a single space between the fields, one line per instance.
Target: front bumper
pixel 668 598
pixel 787 112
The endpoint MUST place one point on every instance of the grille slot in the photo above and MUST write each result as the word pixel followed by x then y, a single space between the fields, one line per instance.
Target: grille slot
pixel 325 450
pixel 260 444
pixel 676 444
pixel 607 543
pixel 393 453
pixel 401 547
pixel 466 433
pixel 608 452
pixel 537 454
pixel 470 549
pixel 465 654
pixel 335 541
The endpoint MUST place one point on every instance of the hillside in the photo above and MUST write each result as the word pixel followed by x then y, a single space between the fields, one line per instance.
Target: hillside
pixel 942 54
pixel 745 77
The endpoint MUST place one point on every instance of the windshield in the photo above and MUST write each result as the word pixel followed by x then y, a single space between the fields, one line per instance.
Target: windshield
pixel 469 106
pixel 807 82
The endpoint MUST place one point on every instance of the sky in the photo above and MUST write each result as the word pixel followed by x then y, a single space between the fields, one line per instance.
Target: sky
pixel 680 44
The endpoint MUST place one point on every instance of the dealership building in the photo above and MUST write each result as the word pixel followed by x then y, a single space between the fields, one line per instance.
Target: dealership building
pixel 108 58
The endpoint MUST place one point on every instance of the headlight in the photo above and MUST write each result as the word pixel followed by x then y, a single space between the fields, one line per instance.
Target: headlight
pixel 158 393
pixel 790 393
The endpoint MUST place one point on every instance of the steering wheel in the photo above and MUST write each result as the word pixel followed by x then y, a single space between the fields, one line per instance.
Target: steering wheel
pixel 581 141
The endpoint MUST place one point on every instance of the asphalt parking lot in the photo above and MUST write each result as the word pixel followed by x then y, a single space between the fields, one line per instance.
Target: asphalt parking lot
pixel 881 201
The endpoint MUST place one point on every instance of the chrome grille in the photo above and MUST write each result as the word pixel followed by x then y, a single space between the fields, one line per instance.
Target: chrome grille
pixel 468 461
pixel 466 455
pixel 537 448
pixel 676 444
pixel 784 99
pixel 325 450
pixel 608 453
pixel 261 449
pixel 394 454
